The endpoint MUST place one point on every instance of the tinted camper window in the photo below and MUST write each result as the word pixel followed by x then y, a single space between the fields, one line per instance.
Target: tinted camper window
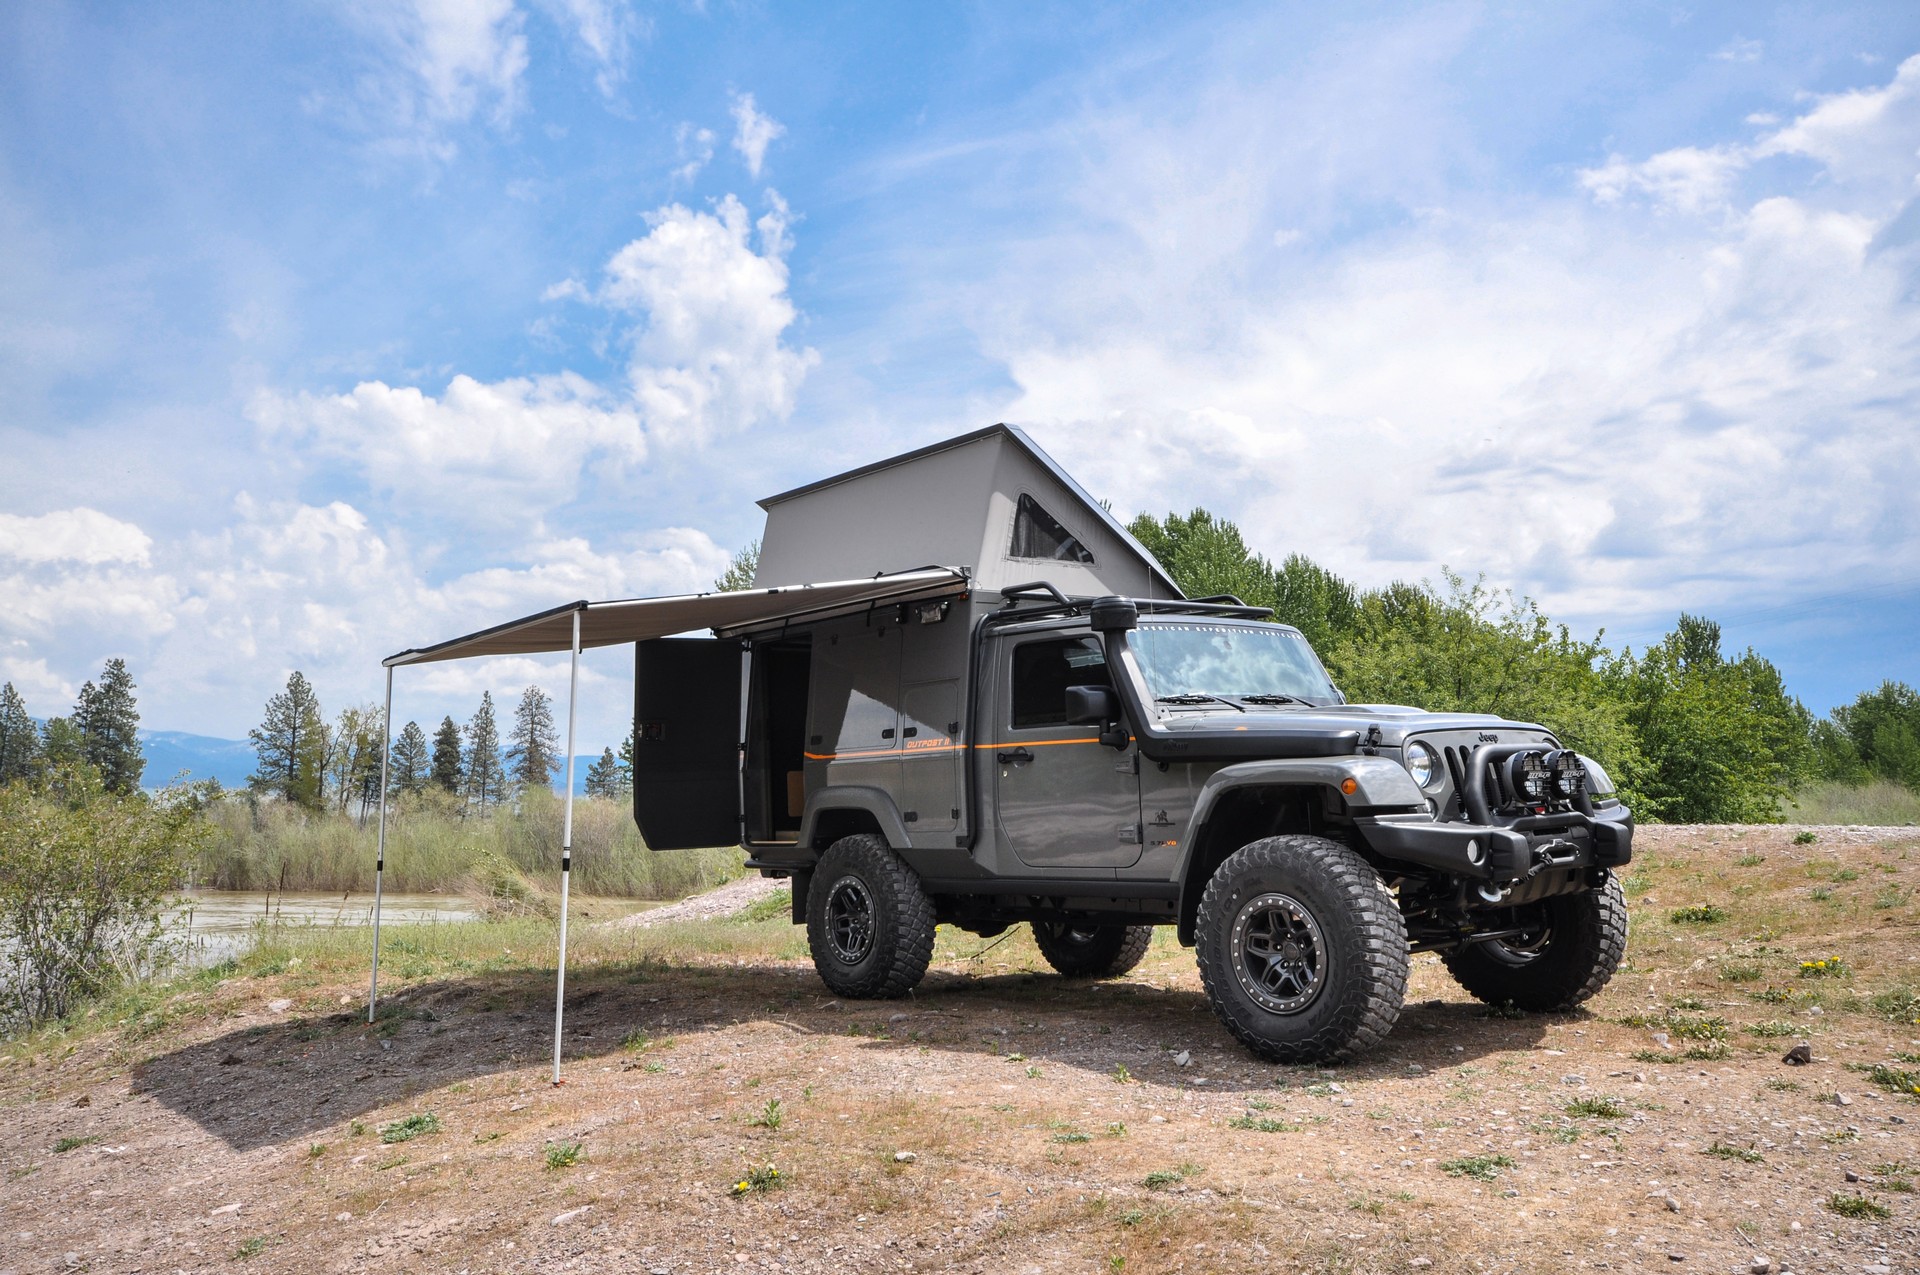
pixel 1036 534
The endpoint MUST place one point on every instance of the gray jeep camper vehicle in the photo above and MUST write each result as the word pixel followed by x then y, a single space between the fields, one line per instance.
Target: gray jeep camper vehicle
pixel 1047 732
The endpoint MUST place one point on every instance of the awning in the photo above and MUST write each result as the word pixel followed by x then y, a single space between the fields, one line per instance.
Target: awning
pixel 636 619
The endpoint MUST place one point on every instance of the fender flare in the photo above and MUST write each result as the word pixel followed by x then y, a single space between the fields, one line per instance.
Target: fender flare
pixel 1380 783
pixel 876 802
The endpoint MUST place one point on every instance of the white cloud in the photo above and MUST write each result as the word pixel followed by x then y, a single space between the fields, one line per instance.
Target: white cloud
pixel 753 132
pixel 1688 179
pixel 446 62
pixel 710 357
pixel 320 588
pixel 605 31
pixel 1621 411
pixel 72 535
pixel 694 148
pixel 707 357
pixel 1739 50
pixel 479 452
pixel 46 693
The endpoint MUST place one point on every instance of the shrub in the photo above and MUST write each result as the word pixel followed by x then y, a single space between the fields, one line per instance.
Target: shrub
pixel 84 875
pixel 562 1155
pixel 1858 1207
pixel 1482 1168
pixel 1698 914
pixel 410 1128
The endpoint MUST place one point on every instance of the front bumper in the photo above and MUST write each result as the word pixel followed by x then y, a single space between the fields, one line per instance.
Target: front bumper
pixel 1506 852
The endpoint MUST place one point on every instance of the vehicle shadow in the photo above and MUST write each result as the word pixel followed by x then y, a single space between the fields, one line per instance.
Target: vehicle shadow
pixel 287 1079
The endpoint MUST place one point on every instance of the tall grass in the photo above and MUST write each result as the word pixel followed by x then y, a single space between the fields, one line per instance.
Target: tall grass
pixel 1880 803
pixel 431 846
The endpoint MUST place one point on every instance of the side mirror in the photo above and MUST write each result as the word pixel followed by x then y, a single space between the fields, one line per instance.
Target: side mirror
pixel 1090 706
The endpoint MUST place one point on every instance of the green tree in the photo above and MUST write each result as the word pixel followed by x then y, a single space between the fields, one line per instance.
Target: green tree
pixel 1480 650
pixel 485 776
pixel 605 779
pixel 291 746
pixel 739 573
pixel 1719 741
pixel 84 874
pixel 109 722
pixel 1208 556
pixel 353 760
pixel 533 747
pixel 1881 729
pixel 62 746
pixel 410 759
pixel 19 738
pixel 448 771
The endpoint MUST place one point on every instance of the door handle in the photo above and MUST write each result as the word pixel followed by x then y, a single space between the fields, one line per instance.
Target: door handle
pixel 1016 756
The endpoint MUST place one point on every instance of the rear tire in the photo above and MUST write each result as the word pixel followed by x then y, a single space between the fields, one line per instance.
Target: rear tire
pixel 1302 950
pixel 869 924
pixel 1092 951
pixel 1576 945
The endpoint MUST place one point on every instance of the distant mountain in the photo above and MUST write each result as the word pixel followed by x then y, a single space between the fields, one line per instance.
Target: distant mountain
pixel 202 756
pixel 230 761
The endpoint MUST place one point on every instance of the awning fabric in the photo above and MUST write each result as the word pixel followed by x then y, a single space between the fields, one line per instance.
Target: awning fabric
pixel 636 619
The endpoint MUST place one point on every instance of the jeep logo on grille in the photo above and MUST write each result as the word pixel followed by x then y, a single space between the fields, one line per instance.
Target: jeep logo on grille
pixel 1489 739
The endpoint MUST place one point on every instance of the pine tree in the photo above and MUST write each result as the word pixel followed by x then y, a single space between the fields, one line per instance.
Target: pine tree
pixel 109 722
pixel 19 738
pixel 626 762
pixel 409 761
pixel 486 777
pixel 291 744
pixel 740 572
pixel 447 772
pixel 604 778
pixel 62 744
pixel 532 760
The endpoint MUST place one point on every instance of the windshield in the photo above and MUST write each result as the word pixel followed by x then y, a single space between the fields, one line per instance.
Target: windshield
pixel 1261 663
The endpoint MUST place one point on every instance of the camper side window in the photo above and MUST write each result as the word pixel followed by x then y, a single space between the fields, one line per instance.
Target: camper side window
pixel 1042 672
pixel 1037 534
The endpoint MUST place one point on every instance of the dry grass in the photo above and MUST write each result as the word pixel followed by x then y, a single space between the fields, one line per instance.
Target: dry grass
pixel 997 1077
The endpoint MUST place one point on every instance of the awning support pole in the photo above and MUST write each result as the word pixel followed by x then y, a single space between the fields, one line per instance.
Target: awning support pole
pixel 566 850
pixel 380 855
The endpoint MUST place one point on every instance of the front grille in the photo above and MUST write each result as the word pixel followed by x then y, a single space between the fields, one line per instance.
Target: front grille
pixel 1456 749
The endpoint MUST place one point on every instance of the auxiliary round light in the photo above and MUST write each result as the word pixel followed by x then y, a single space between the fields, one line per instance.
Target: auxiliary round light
pixel 1528 777
pixel 1424 765
pixel 1569 773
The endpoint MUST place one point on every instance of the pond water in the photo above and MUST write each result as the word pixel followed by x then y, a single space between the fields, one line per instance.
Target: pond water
pixel 217 924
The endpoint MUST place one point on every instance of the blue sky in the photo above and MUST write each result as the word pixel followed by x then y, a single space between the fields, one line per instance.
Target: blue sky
pixel 331 329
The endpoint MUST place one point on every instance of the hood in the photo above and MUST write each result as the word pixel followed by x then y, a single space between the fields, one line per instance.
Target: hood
pixel 1396 721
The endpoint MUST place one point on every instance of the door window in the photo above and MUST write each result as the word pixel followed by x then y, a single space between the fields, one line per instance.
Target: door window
pixel 1042 672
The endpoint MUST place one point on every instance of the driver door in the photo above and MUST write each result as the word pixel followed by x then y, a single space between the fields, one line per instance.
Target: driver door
pixel 1063 799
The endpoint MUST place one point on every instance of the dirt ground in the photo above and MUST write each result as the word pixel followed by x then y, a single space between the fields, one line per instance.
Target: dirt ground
pixel 1004 1119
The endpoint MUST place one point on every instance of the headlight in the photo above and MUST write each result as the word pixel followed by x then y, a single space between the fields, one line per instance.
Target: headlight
pixel 1424 765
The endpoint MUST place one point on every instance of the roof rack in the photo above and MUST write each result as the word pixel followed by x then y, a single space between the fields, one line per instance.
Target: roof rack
pixel 1226 606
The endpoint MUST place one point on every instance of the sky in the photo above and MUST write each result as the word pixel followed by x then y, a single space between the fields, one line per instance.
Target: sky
pixel 331 329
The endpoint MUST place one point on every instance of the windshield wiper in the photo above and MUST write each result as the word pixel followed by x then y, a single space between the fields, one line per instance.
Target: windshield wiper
pixel 1195 697
pixel 1273 698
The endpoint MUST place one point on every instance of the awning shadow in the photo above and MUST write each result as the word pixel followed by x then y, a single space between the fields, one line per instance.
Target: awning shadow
pixel 290 1079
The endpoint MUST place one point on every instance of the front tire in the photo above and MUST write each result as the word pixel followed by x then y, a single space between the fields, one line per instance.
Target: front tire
pixel 1572 945
pixel 1302 951
pixel 869 924
pixel 1092 951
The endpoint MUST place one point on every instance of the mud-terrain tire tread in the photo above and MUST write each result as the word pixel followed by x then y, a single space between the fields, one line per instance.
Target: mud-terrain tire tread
pixel 903 921
pixel 1114 950
pixel 1589 941
pixel 1359 920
